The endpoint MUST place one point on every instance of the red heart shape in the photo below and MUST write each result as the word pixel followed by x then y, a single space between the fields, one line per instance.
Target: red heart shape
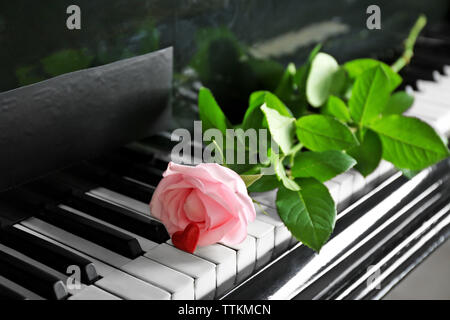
pixel 187 240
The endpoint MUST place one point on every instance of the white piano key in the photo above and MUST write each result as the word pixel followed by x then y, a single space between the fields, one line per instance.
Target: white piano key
pixel 435 113
pixel 265 239
pixel 76 242
pixel 225 260
pixel 121 200
pixel 282 236
pixel 203 272
pixel 345 182
pixel 128 287
pixel 179 285
pixel 266 198
pixel 145 244
pixel 93 293
pixel 334 189
pixel 384 167
pixel 438 96
pixel 245 257
pixel 358 180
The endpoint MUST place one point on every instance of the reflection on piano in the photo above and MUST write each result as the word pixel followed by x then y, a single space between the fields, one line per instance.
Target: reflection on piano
pixel 85 233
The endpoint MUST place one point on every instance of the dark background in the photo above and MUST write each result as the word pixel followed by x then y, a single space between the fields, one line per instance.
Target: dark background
pixel 226 44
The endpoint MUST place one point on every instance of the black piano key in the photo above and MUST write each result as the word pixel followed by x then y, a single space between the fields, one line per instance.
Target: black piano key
pixel 102 177
pixel 47 253
pixel 8 293
pixel 139 157
pixel 119 216
pixel 138 171
pixel 418 73
pixel 428 62
pixel 72 191
pixel 10 214
pixel 98 233
pixel 31 277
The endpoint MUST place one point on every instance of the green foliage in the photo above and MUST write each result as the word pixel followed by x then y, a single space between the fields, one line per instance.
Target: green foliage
pixel 409 143
pixel 367 154
pixel 321 165
pixel 358 123
pixel 320 133
pixel 320 79
pixel 210 112
pixel 66 61
pixel 309 213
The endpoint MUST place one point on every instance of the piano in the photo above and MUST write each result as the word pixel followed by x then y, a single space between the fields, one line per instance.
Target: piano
pixel 84 232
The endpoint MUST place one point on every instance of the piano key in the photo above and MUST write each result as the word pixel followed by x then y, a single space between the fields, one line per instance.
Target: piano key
pixel 225 260
pixel 150 160
pixel 267 198
pixel 76 242
pixel 107 178
pixel 226 265
pixel 27 273
pixel 179 285
pixel 120 199
pixel 333 188
pixel 8 293
pixel 358 180
pixel 345 182
pixel 128 287
pixel 98 233
pixel 282 236
pixel 47 253
pixel 145 244
pixel 66 276
pixel 202 271
pixel 103 269
pixel 22 291
pixel 93 293
pixel 94 204
pixel 245 257
pixel 265 240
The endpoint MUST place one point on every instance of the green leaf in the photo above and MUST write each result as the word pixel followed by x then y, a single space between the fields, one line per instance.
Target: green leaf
pixel 367 154
pixel 339 82
pixel 398 103
pixel 336 107
pixel 286 86
pixel 281 173
pixel 302 73
pixel 409 143
pixel 321 165
pixel 300 78
pixel 322 133
pixel 357 67
pixel 309 213
pixel 210 113
pixel 409 173
pixel 281 128
pixel 320 79
pixel 254 117
pixel 250 179
pixel 369 95
pixel 265 183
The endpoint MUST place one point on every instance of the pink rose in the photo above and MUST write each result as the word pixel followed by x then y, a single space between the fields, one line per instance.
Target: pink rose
pixel 209 195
